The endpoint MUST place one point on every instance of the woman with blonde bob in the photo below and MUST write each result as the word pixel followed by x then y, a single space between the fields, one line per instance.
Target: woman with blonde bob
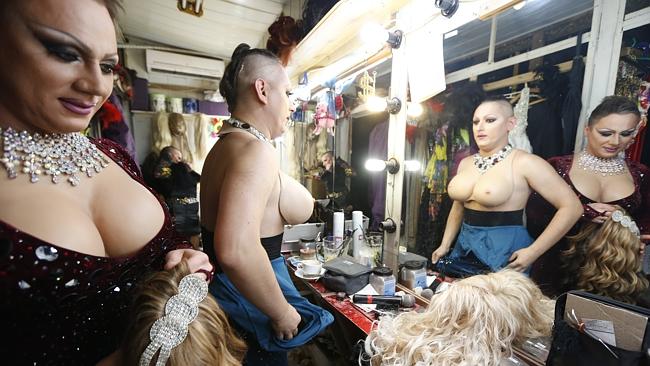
pixel 210 340
pixel 606 258
pixel 475 322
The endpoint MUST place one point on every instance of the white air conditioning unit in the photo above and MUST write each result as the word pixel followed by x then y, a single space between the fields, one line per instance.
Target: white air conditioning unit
pixel 184 65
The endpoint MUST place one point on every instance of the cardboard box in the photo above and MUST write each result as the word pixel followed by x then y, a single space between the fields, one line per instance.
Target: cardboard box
pixel 616 326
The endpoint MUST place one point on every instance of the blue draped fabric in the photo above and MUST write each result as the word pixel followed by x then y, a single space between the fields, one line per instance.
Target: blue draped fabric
pixel 252 320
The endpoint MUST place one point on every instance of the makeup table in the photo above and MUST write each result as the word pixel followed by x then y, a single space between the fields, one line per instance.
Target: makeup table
pixel 352 324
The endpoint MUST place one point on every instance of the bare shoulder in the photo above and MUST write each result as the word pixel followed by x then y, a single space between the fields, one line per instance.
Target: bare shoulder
pixel 528 161
pixel 248 155
pixel 468 160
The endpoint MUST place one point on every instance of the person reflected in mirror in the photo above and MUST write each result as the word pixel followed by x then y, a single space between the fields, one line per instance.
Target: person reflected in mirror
pixel 490 191
pixel 246 200
pixel 335 173
pixel 79 229
pixel 602 177
pixel 176 182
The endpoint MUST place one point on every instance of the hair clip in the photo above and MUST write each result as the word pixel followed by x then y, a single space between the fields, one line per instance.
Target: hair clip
pixel 626 221
pixel 180 310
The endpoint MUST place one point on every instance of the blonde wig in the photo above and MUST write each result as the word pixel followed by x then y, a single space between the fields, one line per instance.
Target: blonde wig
pixel 606 259
pixel 210 339
pixel 160 133
pixel 178 131
pixel 475 322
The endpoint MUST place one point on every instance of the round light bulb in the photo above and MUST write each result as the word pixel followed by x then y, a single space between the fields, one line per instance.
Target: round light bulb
pixel 414 109
pixel 374 34
pixel 375 165
pixel 519 5
pixel 412 165
pixel 376 104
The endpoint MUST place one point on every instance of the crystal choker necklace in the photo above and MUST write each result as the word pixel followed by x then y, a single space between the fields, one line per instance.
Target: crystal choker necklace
pixel 248 127
pixel 604 166
pixel 487 162
pixel 61 156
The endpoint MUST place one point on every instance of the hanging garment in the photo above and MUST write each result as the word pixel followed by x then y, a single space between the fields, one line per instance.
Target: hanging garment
pixel 518 137
pixel 114 126
pixel 572 105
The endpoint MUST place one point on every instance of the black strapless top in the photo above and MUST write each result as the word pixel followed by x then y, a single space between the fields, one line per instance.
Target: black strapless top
pixel 272 245
pixel 61 307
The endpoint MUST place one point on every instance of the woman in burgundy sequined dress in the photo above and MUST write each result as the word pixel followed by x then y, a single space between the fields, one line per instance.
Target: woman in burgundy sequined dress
pixel 71 253
pixel 601 177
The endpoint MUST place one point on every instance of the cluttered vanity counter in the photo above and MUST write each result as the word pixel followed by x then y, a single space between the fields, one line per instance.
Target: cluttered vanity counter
pixel 353 321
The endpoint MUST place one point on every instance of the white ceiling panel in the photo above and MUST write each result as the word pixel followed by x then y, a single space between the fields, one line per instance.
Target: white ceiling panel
pixel 224 24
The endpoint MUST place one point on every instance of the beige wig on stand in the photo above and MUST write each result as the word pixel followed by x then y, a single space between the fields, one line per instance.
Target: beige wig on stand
pixel 171 130
pixel 475 322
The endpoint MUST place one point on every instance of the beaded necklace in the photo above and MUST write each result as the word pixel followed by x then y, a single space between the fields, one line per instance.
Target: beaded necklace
pixel 484 163
pixel 249 128
pixel 604 166
pixel 61 156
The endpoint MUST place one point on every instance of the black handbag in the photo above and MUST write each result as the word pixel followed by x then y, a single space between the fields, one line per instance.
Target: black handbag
pixel 573 347
pixel 345 275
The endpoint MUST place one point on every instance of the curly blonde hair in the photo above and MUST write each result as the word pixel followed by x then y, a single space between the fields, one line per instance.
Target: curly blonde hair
pixel 210 339
pixel 475 322
pixel 606 259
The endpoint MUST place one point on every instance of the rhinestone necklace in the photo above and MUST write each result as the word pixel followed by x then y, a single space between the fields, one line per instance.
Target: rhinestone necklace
pixel 487 162
pixel 604 166
pixel 248 127
pixel 61 156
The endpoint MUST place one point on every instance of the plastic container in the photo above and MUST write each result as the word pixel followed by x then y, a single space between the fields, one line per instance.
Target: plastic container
pixel 174 105
pixel 413 274
pixel 157 101
pixel 383 281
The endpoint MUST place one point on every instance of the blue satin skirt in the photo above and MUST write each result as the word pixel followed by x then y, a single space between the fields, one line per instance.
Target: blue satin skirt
pixel 481 249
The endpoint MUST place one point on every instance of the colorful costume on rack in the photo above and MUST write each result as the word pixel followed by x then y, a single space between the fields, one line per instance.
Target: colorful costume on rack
pixel 64 307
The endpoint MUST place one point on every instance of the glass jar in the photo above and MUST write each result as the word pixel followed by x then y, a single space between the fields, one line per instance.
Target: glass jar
pixel 375 243
pixel 383 281
pixel 307 249
pixel 413 274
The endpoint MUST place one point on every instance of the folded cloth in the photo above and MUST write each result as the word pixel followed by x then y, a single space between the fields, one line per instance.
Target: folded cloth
pixel 250 318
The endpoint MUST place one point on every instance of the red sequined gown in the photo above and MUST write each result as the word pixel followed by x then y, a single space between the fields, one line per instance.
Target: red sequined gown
pixel 61 307
pixel 546 271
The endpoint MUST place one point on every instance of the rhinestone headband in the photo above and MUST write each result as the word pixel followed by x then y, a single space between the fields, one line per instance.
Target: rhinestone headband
pixel 626 221
pixel 180 310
